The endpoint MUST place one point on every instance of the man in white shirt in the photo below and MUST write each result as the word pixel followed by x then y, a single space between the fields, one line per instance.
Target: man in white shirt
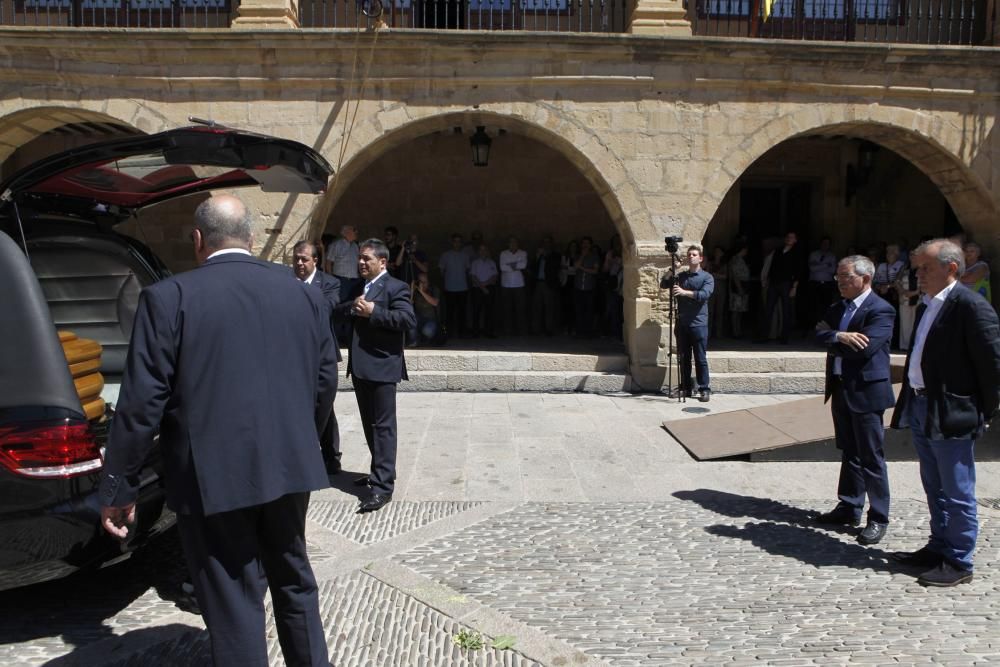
pixel 454 265
pixel 951 389
pixel 483 274
pixel 342 263
pixel 513 300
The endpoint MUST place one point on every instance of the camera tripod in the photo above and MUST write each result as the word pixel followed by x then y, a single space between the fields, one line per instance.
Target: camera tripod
pixel 667 282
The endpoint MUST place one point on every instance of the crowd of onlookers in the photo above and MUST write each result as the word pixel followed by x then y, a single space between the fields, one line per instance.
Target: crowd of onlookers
pixel 782 289
pixel 468 289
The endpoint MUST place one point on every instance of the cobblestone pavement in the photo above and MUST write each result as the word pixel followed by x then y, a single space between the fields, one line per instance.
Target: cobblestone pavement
pixel 700 571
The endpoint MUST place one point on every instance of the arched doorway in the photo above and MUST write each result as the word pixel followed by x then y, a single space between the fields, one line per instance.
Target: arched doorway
pixel 421 180
pixel 865 187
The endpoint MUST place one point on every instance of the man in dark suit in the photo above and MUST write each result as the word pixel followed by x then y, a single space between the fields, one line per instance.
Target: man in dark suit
pixel 305 258
pixel 856 332
pixel 544 272
pixel 950 392
pixel 383 313
pixel 234 365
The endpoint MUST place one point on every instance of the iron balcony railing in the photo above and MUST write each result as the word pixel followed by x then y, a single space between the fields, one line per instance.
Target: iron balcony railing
pixel 967 22
pixel 119 13
pixel 541 15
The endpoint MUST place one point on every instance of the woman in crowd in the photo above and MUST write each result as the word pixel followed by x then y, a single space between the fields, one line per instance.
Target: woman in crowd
pixel 612 274
pixel 739 296
pixel 567 276
pixel 977 271
pixel 719 301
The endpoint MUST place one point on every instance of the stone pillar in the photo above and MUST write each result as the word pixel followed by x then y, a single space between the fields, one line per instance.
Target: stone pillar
pixel 659 17
pixel 256 14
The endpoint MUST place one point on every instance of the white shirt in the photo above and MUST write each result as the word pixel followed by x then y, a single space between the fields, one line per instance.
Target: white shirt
pixel 343 257
pixel 229 251
pixel 511 265
pixel 308 281
pixel 916 373
pixel 372 282
pixel 845 321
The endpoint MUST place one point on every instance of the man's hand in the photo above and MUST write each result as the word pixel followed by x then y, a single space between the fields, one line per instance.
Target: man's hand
pixel 362 308
pixel 118 521
pixel 678 291
pixel 853 339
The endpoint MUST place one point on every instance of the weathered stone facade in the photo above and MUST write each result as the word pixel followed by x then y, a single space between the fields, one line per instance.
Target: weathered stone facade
pixel 660 128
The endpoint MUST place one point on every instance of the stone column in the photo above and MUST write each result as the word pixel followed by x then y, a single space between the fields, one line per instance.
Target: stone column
pixel 256 14
pixel 659 17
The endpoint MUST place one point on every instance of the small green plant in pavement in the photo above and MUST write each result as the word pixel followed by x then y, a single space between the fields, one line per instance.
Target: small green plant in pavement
pixel 468 639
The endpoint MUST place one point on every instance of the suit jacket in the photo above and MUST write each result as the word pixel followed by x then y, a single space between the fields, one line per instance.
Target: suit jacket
pixel 234 364
pixel 864 374
pixel 553 264
pixel 377 342
pixel 329 287
pixel 961 367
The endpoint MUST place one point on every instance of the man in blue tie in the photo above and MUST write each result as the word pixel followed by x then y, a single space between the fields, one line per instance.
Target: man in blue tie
pixel 856 332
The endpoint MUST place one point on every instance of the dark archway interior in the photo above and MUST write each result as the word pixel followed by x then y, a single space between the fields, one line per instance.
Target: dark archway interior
pixel 428 187
pixel 861 195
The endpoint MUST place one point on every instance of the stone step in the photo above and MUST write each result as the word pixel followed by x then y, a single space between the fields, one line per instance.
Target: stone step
pixel 770 361
pixel 431 359
pixel 766 362
pixel 594 382
pixel 768 383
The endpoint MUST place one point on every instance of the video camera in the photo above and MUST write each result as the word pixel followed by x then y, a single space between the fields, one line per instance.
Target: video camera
pixel 671 243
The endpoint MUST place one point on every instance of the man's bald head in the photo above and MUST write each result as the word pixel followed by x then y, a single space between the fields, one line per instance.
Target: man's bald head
pixel 223 222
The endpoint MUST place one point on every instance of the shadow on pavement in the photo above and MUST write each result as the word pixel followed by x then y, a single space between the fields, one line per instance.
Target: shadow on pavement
pixel 765 509
pixel 788 531
pixel 344 481
pixel 77 608
pixel 172 644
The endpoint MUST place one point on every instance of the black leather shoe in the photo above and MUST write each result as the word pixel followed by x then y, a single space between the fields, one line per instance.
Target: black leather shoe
pixel 945 575
pixel 705 395
pixel 872 533
pixel 375 502
pixel 839 516
pixel 361 481
pixel 922 557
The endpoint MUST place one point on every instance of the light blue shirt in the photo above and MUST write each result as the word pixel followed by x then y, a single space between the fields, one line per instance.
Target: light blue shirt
pixel 845 321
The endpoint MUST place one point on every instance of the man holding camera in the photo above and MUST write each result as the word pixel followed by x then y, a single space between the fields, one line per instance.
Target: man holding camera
pixel 692 288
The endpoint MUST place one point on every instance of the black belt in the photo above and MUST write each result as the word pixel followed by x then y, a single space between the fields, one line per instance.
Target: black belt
pixel 922 393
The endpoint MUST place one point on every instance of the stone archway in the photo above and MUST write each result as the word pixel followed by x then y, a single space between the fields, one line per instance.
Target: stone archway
pixel 420 179
pixel 385 131
pixel 944 154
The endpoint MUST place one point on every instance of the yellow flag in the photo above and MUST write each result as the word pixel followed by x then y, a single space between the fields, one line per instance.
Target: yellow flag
pixel 767 9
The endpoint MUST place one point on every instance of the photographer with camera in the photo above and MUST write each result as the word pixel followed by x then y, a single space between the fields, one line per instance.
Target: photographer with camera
pixel 692 288
pixel 410 261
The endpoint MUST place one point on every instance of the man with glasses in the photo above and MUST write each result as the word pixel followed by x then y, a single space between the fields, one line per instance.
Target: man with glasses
pixel 856 332
pixel 950 393
pixel 305 258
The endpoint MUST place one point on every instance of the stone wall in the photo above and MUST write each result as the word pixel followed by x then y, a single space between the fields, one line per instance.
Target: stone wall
pixel 659 128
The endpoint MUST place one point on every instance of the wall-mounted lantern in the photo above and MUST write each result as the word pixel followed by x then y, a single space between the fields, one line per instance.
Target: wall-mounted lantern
pixel 480 142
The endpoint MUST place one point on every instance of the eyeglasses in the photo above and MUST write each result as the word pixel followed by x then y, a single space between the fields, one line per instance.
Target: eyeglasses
pixel 300 259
